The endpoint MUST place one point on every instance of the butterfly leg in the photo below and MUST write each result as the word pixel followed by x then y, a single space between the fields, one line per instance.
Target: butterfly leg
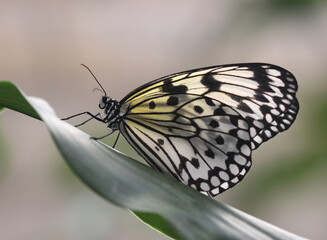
pixel 107 135
pixel 78 125
pixel 116 140
pixel 97 117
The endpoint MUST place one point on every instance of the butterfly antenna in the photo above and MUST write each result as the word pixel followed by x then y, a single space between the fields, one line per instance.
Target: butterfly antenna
pixel 98 89
pixel 104 91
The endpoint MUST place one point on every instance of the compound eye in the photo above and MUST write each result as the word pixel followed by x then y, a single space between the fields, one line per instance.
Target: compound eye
pixel 103 102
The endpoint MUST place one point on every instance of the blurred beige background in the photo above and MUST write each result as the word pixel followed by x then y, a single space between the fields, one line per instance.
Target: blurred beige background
pixel 127 43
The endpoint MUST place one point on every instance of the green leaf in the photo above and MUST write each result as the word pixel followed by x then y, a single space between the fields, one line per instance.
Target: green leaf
pixel 158 223
pixel 163 203
pixel 11 97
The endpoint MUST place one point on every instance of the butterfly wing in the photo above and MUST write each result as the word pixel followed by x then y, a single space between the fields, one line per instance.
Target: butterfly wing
pixel 200 126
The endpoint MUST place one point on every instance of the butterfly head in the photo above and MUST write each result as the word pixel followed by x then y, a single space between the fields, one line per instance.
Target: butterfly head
pixel 104 100
pixel 111 106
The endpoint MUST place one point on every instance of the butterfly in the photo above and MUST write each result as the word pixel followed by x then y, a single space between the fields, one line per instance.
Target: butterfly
pixel 201 126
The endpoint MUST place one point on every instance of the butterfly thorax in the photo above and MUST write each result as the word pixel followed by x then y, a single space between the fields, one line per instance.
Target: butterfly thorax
pixel 112 112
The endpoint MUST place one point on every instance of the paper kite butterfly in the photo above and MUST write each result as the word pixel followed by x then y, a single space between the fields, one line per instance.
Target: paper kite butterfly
pixel 201 126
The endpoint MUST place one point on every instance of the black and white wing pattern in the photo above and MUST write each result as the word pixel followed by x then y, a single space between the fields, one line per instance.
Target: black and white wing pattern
pixel 201 126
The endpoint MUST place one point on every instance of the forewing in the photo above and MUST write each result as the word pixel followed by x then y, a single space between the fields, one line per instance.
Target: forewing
pixel 263 94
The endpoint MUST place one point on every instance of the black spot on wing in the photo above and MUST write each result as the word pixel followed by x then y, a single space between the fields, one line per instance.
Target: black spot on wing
pixel 152 105
pixel 259 72
pixel 195 162
pixel 172 101
pixel 219 112
pixel 209 102
pixel 214 123
pixel 234 120
pixel 168 87
pixel 244 107
pixel 198 109
pixel 209 153
pixel 261 98
pixel 211 83
pixel 160 141
pixel 220 140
